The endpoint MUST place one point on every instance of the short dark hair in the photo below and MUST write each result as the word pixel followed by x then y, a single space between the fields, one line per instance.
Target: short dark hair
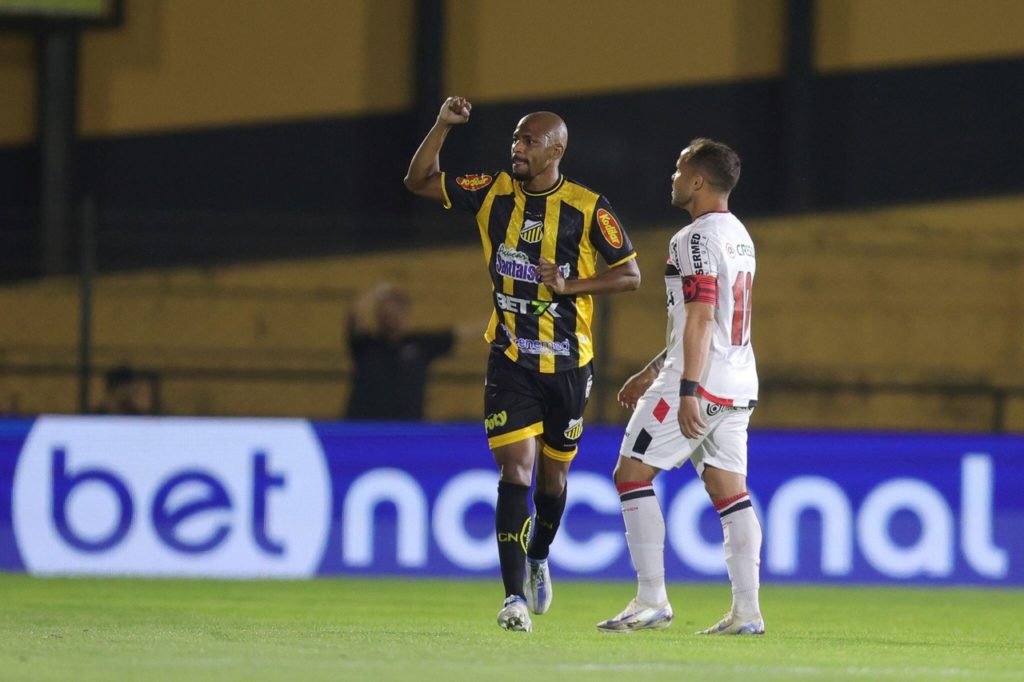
pixel 717 161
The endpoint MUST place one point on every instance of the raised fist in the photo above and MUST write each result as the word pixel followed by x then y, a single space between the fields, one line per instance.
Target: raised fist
pixel 455 110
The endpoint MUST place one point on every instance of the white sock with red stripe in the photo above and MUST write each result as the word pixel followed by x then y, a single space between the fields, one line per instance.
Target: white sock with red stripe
pixel 645 536
pixel 742 533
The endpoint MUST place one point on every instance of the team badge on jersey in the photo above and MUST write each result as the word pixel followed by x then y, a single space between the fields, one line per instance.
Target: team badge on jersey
pixel 574 430
pixel 609 228
pixel 472 183
pixel 533 231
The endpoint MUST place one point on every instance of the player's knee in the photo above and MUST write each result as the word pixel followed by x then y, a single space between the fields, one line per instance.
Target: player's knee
pixel 721 484
pixel 515 462
pixel 629 470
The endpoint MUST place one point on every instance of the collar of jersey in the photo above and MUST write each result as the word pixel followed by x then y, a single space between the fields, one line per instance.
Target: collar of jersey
pixel 558 185
pixel 705 215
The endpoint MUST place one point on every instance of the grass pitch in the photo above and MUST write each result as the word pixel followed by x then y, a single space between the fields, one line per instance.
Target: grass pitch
pixel 344 629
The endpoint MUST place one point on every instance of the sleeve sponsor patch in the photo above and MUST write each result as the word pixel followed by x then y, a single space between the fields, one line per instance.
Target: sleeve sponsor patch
pixel 697 253
pixel 700 289
pixel 609 227
pixel 472 183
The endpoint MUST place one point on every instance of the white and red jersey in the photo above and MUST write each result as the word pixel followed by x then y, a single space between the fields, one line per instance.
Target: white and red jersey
pixel 711 260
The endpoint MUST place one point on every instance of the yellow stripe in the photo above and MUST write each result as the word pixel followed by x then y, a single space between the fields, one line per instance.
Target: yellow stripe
pixel 483 216
pixel 628 258
pixel 559 455
pixel 491 332
pixel 515 436
pixel 508 284
pixel 444 192
pixel 586 264
pixel 549 252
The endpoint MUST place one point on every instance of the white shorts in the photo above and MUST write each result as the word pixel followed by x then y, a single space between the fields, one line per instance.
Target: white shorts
pixel 653 436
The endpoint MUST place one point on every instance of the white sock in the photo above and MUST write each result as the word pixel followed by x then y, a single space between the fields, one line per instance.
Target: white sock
pixel 645 536
pixel 742 533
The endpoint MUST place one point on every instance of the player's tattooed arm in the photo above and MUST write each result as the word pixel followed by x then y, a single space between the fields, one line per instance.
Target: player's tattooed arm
pixel 638 384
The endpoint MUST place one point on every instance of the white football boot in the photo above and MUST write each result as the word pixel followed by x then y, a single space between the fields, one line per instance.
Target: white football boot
pixel 639 616
pixel 734 625
pixel 537 585
pixel 514 615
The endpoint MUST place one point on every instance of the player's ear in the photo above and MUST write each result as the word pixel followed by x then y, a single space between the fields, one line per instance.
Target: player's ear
pixel 558 150
pixel 698 182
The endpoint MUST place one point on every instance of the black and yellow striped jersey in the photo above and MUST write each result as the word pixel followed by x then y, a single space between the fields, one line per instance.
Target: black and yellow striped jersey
pixel 568 225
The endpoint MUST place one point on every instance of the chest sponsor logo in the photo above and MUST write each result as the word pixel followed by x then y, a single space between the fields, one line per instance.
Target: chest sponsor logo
pixel 533 230
pixel 473 183
pixel 525 306
pixel 517 265
pixel 610 229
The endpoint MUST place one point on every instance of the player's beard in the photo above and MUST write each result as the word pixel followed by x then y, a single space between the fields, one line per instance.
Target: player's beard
pixel 522 176
pixel 679 201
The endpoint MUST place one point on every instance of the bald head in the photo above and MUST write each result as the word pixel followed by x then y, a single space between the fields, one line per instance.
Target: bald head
pixel 538 143
pixel 547 124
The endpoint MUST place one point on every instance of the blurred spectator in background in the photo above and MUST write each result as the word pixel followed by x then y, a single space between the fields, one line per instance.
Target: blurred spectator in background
pixel 390 362
pixel 9 405
pixel 123 392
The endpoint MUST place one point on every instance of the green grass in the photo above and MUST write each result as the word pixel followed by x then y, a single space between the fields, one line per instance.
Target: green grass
pixel 91 629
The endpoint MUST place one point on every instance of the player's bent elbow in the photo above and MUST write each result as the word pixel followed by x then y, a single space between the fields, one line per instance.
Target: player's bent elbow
pixel 429 187
pixel 413 185
pixel 630 280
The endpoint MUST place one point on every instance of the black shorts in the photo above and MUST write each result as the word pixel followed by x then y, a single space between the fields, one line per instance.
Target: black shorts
pixel 521 403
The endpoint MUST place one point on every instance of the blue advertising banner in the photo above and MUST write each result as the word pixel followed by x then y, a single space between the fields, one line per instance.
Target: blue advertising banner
pixel 289 498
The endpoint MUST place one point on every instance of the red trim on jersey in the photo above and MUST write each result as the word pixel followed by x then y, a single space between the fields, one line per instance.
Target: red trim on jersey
pixel 722 504
pixel 630 486
pixel 700 289
pixel 724 402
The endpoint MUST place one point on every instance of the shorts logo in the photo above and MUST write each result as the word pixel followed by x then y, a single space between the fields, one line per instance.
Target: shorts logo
pixel 609 228
pixel 533 231
pixel 472 183
pixel 574 430
pixel 713 409
pixel 590 385
pixel 496 420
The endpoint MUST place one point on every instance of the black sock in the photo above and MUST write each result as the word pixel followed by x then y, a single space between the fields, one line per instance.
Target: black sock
pixel 545 523
pixel 511 517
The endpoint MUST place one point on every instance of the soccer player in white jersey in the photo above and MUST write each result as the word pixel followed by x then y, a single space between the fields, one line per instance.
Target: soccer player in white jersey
pixel 693 402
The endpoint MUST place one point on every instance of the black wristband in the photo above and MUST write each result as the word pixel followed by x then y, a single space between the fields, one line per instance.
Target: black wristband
pixel 687 387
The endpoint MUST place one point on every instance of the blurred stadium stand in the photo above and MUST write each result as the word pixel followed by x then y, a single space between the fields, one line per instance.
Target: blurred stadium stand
pixel 246 161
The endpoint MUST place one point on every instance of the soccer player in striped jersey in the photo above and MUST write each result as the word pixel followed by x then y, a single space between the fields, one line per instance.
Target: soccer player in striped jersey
pixel 542 234
pixel 693 402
